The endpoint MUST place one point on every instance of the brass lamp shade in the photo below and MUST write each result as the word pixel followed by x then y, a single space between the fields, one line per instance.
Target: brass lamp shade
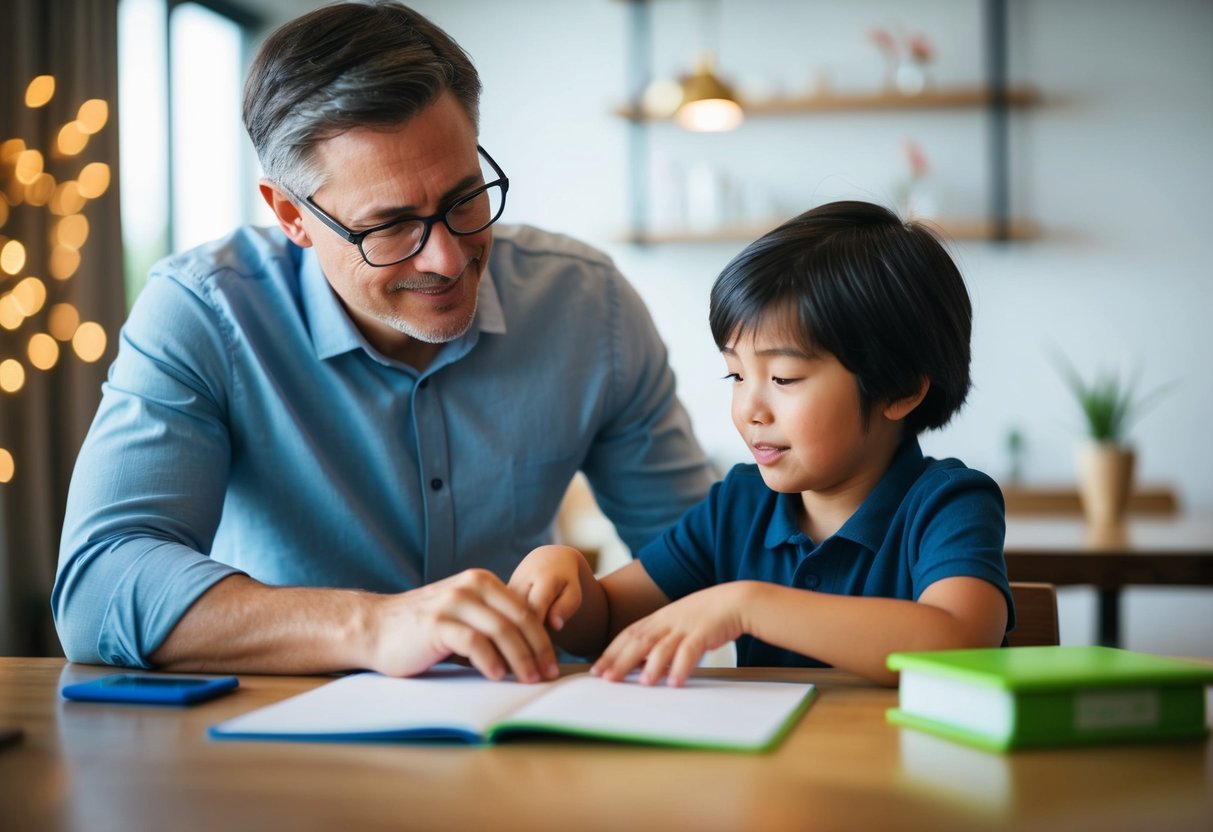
pixel 708 103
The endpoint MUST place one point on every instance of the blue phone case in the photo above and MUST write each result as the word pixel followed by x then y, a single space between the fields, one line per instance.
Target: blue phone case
pixel 151 689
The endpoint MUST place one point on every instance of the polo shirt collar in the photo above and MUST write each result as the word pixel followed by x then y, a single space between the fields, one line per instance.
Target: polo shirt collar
pixel 784 527
pixel 334 333
pixel 868 524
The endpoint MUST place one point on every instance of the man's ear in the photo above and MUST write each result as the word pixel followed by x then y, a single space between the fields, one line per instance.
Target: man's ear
pixel 286 212
pixel 898 409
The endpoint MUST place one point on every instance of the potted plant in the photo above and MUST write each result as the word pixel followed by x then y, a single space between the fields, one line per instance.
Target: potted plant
pixel 1105 463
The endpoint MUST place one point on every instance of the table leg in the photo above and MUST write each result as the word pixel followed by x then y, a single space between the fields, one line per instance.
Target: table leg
pixel 1109 617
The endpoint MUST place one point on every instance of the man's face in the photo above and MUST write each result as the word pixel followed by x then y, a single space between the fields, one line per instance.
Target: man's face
pixel 375 176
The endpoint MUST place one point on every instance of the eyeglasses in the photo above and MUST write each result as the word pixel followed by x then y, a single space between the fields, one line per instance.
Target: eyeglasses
pixel 398 240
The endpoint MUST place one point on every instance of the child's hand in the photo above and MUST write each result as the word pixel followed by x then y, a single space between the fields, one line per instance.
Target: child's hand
pixel 671 641
pixel 549 578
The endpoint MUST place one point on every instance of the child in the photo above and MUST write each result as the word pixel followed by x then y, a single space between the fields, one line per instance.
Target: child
pixel 845 333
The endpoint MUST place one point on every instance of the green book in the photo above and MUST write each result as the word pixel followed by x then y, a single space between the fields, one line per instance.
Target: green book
pixel 1002 698
pixel 458 704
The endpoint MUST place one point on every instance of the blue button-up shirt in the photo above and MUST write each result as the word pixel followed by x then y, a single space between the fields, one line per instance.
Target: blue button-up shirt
pixel 926 520
pixel 248 426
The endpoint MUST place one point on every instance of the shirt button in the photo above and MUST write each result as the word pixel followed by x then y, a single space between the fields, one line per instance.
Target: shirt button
pixel 811 581
pixel 435 483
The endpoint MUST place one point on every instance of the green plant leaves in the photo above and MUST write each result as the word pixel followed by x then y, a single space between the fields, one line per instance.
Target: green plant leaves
pixel 1109 403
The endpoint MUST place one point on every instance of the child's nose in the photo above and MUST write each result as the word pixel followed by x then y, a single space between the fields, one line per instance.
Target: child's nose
pixel 754 407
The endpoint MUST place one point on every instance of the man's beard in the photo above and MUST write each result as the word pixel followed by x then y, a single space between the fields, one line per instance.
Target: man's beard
pixel 431 336
pixel 439 335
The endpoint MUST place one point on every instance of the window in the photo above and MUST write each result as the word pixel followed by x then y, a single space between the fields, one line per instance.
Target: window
pixel 186 163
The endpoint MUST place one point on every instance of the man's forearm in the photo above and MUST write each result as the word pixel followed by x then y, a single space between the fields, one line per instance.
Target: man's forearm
pixel 240 625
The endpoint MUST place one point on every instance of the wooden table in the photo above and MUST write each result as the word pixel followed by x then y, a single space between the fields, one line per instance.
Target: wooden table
pixel 1170 551
pixel 84 766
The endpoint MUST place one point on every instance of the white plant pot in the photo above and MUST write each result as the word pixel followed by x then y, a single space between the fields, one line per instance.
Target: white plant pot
pixel 1105 479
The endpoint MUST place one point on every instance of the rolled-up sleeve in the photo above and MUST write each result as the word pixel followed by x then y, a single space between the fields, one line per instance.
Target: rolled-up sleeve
pixel 148 488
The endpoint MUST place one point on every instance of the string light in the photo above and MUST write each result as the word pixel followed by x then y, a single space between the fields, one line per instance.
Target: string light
pixel 89 341
pixel 12 375
pixel 40 91
pixel 33 177
pixel 62 321
pixel 12 257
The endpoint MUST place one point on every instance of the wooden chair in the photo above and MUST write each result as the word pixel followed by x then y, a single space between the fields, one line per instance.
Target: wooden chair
pixel 1035 614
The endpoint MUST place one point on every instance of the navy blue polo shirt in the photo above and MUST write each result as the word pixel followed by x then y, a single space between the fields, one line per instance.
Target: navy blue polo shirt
pixel 927 519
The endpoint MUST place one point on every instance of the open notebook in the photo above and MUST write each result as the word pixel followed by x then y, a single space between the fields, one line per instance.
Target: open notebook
pixel 457 703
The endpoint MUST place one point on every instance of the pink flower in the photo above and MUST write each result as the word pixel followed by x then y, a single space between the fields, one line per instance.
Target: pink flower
pixel 883 40
pixel 919 167
pixel 920 48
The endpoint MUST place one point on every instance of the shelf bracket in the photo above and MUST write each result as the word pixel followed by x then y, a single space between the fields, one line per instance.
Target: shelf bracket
pixel 996 70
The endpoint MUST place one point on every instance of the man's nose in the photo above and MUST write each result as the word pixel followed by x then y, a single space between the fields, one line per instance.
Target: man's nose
pixel 441 253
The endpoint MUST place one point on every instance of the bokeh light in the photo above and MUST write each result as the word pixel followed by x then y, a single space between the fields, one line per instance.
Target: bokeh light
pixel 40 91
pixel 71 231
pixel 89 341
pixel 28 167
pixel 12 375
pixel 92 115
pixel 10 150
pixel 12 257
pixel 39 192
pixel 62 321
pixel 7 468
pixel 10 312
pixel 72 139
pixel 67 199
pixel 64 262
pixel 94 179
pixel 29 295
pixel 43 351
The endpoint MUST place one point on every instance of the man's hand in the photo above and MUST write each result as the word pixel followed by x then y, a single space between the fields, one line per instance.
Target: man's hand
pixel 471 615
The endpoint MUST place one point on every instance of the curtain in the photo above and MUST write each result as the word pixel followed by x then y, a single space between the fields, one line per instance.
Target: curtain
pixel 61 282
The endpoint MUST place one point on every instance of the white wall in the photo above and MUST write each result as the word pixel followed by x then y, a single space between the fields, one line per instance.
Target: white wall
pixel 1115 165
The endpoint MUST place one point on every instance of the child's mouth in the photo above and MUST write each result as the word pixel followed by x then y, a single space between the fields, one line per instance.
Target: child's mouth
pixel 767 454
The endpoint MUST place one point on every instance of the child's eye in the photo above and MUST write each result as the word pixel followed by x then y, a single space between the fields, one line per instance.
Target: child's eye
pixel 733 377
pixel 783 382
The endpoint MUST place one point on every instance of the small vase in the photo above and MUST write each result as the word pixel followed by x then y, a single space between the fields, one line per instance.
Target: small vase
pixel 1105 478
pixel 911 78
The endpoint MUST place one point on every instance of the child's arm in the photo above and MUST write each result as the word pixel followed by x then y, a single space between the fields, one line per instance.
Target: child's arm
pixel 582 612
pixel 852 633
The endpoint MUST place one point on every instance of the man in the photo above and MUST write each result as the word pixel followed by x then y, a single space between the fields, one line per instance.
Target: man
pixel 323 446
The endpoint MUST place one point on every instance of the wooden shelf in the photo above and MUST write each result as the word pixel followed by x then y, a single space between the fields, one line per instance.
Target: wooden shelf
pixel 936 99
pixel 1158 500
pixel 975 229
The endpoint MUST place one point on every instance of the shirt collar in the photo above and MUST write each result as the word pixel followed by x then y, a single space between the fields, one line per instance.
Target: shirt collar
pixel 333 333
pixel 868 524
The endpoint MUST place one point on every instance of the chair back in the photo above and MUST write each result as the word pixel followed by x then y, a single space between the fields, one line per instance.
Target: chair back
pixel 1035 614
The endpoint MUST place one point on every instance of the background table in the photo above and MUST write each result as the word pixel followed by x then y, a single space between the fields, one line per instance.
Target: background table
pixel 98 767
pixel 1173 551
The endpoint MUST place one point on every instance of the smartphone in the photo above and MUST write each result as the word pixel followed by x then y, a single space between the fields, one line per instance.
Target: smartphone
pixel 150 689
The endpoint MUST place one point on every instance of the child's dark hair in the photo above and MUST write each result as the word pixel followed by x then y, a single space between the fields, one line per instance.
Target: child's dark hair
pixel 880 295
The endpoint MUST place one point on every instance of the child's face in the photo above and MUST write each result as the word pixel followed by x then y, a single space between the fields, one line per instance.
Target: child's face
pixel 800 415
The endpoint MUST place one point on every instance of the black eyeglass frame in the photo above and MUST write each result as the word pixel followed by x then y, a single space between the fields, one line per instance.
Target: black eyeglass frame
pixel 356 237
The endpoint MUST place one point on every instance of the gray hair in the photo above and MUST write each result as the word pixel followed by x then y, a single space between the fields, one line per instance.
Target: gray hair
pixel 358 64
